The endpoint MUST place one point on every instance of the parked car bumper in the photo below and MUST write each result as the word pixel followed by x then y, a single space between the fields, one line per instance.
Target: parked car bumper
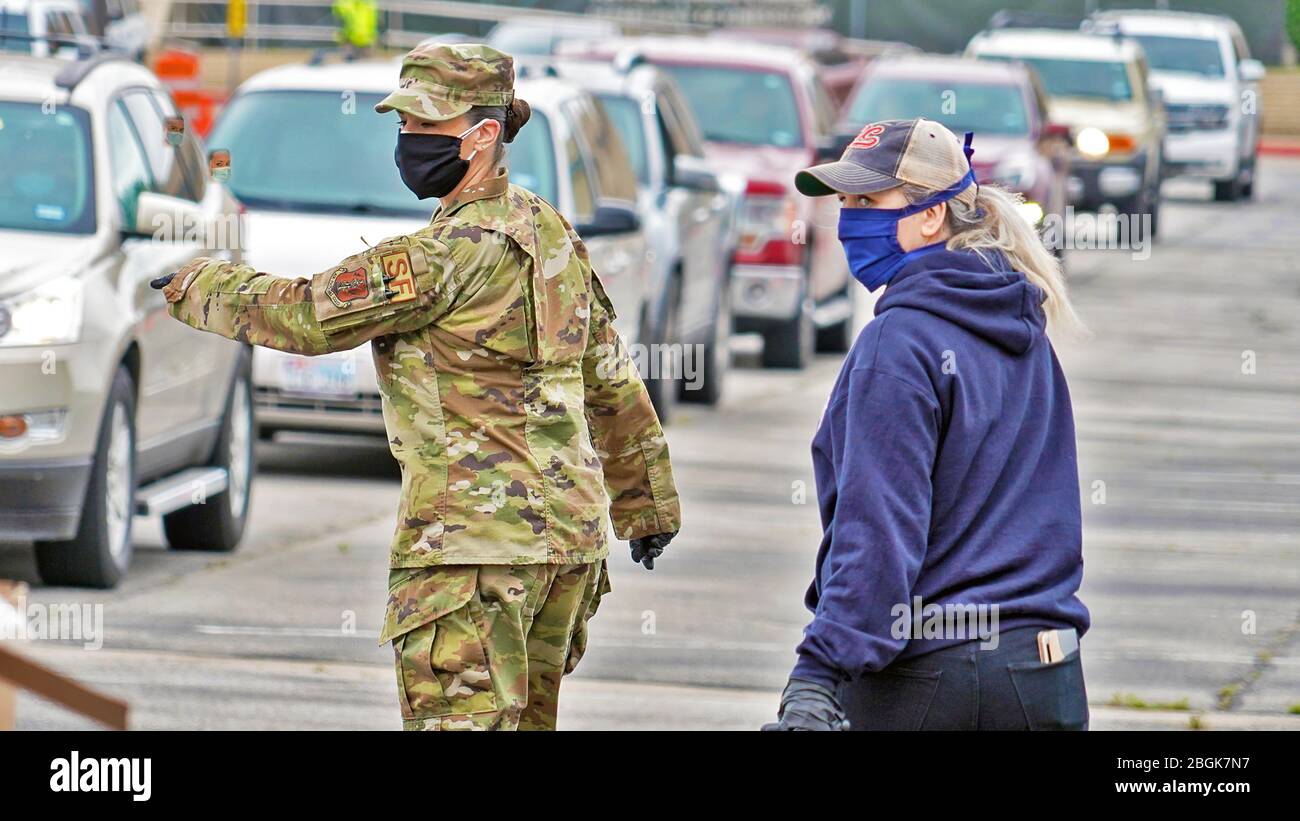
pixel 765 292
pixel 1202 154
pixel 294 393
pixel 42 500
pixel 1093 183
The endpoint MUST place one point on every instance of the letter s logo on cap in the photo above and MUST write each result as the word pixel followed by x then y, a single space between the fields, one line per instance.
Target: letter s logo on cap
pixel 869 138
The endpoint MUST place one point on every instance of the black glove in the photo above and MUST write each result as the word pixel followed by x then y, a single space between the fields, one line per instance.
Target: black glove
pixel 158 283
pixel 806 705
pixel 647 549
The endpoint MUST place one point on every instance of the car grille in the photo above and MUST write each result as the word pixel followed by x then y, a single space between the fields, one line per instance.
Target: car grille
pixel 366 404
pixel 1196 117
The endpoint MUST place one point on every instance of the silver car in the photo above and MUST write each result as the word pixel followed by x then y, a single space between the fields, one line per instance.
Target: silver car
pixel 688 222
pixel 110 408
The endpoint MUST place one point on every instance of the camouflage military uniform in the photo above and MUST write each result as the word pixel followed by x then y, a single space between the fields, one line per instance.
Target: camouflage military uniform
pixel 517 417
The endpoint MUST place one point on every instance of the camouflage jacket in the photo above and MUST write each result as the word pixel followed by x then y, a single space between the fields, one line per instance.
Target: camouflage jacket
pixel 511 404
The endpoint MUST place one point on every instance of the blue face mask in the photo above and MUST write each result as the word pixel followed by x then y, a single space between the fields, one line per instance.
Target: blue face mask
pixel 870 237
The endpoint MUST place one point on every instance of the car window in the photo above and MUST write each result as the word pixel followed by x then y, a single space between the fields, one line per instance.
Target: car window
pixel 1186 55
pixel 741 105
pixel 193 164
pixel 584 198
pixel 1099 79
pixel 531 158
pixel 686 138
pixel 609 162
pixel 164 164
pixel 625 113
pixel 988 108
pixel 57 23
pixel 823 108
pixel 48 182
pixel 129 169
pixel 315 152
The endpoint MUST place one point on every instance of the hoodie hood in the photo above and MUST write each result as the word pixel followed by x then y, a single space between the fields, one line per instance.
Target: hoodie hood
pixel 989 300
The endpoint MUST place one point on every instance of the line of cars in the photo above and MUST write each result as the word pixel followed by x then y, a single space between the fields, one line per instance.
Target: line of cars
pixel 1089 114
pixel 672 159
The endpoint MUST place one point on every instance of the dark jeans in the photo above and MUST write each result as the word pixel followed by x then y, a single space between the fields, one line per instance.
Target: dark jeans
pixel 965 688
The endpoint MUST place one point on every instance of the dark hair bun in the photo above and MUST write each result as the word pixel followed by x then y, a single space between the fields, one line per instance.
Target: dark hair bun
pixel 517 114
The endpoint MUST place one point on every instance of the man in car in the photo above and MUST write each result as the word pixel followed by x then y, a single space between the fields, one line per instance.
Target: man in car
pixel 511 404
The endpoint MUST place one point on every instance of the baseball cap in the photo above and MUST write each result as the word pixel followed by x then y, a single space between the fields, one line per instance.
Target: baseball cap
pixel 890 153
pixel 442 81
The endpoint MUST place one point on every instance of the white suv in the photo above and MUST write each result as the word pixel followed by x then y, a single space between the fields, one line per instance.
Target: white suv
pixel 1203 69
pixel 108 407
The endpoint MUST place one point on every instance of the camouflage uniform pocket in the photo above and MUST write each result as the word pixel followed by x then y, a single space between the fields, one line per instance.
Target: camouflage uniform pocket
pixel 435 620
pixel 596 588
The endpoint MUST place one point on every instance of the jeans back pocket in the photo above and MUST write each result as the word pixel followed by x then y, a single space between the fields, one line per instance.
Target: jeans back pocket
pixel 1052 695
pixel 892 699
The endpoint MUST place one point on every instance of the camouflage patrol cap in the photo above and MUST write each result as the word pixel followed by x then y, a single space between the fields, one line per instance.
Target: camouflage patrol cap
pixel 443 81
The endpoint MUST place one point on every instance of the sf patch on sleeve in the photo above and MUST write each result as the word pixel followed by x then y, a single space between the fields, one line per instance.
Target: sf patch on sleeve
pixel 371 286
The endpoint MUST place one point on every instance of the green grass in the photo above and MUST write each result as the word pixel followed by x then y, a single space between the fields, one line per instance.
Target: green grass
pixel 1133 702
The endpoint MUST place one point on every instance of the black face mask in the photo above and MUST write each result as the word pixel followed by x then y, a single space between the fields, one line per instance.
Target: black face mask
pixel 430 164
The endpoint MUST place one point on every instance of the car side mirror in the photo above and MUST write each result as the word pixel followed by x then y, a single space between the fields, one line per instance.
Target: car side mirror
pixel 1057 131
pixel 1250 70
pixel 831 147
pixel 168 219
pixel 694 173
pixel 610 219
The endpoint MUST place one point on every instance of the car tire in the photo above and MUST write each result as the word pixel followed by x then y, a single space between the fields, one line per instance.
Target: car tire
pixel 1248 185
pixel 791 344
pixel 217 524
pixel 716 361
pixel 100 553
pixel 664 380
pixel 837 338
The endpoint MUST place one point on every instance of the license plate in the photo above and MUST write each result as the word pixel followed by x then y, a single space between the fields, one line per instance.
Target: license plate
pixel 334 377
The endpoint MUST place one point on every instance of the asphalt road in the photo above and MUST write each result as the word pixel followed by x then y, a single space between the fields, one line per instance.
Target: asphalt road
pixel 1198 531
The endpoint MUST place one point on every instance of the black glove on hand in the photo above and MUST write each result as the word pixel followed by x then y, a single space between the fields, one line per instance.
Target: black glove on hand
pixel 806 705
pixel 648 549
pixel 158 283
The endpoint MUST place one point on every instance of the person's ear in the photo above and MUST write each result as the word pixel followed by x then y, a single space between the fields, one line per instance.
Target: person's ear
pixel 932 220
pixel 486 135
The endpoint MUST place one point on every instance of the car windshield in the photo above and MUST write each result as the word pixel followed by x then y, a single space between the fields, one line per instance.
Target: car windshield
pixel 48 182
pixel 531 158
pixel 1098 79
pixel 984 108
pixel 316 151
pixel 626 114
pixel 738 105
pixel 1190 55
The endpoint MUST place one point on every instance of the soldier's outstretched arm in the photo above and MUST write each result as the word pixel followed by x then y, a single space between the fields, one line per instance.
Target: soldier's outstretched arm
pixel 399 285
pixel 626 432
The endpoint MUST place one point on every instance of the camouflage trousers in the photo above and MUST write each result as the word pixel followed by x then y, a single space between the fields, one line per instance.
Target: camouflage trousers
pixel 496 644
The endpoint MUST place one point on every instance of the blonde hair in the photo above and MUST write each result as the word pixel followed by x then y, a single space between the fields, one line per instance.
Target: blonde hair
pixel 995 224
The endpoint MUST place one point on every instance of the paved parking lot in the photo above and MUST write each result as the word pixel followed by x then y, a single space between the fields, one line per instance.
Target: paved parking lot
pixel 1192 563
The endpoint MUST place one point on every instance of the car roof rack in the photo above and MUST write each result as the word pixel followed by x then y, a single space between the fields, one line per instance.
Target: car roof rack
pixel 1019 19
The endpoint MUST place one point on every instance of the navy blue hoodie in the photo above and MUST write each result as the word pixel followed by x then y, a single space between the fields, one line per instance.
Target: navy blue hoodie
pixel 945 466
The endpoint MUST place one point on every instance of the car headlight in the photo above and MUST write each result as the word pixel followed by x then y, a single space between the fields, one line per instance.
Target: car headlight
pixel 1031 211
pixel 49 314
pixel 1092 142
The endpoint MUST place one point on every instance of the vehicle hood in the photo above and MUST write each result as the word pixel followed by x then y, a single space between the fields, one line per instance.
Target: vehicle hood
pixel 765 162
pixel 991 149
pixel 294 244
pixel 29 258
pixel 1078 112
pixel 1181 87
